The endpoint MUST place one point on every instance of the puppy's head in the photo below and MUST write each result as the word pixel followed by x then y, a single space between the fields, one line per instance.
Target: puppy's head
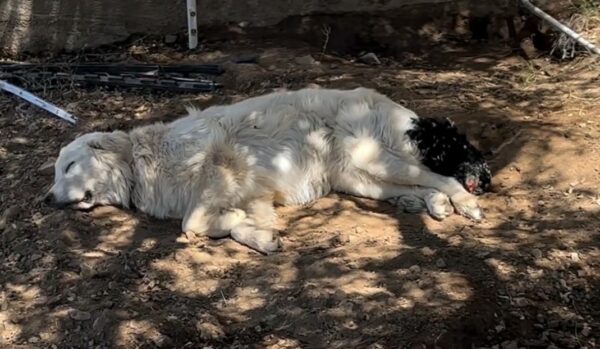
pixel 475 174
pixel 448 152
pixel 93 170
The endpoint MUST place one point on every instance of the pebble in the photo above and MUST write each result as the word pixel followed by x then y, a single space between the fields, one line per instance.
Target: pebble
pixel 537 253
pixel 305 60
pixel 41 300
pixel 33 340
pixel 575 257
pixel 170 39
pixel 522 302
pixel 79 315
pixel 440 263
pixel 510 345
pixel 370 58
pixel 100 322
pixel 428 252
pixel 415 269
pixel 8 215
pixel 586 330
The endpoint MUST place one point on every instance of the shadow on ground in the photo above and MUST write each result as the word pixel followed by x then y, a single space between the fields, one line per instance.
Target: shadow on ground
pixel 355 273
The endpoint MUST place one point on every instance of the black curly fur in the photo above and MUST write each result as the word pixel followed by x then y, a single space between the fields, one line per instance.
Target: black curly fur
pixel 447 152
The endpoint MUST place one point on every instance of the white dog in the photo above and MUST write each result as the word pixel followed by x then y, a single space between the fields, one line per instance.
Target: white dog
pixel 222 169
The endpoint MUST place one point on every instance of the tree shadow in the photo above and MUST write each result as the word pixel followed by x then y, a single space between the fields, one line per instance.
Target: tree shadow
pixel 355 272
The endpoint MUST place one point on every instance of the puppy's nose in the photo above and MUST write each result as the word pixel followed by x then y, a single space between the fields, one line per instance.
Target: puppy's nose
pixel 49 199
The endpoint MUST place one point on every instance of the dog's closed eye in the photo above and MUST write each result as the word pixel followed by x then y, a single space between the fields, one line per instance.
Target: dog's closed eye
pixel 69 166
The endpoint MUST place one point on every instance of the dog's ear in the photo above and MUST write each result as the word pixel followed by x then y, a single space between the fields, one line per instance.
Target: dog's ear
pixel 115 142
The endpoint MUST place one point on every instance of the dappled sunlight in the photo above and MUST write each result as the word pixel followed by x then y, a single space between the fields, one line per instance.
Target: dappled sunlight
pixel 10 331
pixel 239 303
pixel 137 331
pixel 192 272
pixel 353 273
pixel 503 270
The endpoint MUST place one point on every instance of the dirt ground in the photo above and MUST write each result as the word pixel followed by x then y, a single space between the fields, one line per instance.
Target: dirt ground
pixel 354 273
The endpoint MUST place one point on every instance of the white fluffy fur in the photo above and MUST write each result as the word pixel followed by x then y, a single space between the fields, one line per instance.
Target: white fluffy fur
pixel 221 169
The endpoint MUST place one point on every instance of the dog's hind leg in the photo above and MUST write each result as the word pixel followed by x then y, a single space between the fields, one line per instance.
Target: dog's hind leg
pixel 252 228
pixel 213 223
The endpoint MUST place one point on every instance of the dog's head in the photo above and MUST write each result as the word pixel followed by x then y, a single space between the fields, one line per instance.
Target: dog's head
pixel 448 152
pixel 474 173
pixel 93 170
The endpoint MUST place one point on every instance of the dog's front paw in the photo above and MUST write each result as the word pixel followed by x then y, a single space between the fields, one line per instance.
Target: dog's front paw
pixel 271 247
pixel 267 241
pixel 438 205
pixel 466 205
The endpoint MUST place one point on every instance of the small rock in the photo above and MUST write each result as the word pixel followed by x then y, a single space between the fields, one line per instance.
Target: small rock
pixel 209 327
pixel 34 340
pixel 586 330
pixel 537 253
pixel 440 263
pixel 100 322
pixel 521 302
pixel 528 48
pixel 482 254
pixel 8 215
pixel 160 340
pixel 41 300
pixel 370 58
pixel 47 168
pixel 79 315
pixel 510 345
pixel 170 39
pixel 415 269
pixel 427 252
pixel 575 257
pixel 305 60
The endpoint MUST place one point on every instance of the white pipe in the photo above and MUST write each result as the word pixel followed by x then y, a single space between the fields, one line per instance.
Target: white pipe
pixel 561 27
pixel 33 99
pixel 192 17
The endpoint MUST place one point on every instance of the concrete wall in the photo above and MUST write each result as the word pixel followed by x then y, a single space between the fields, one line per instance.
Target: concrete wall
pixel 52 25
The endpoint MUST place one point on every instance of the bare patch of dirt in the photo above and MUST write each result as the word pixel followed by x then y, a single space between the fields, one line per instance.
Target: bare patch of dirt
pixel 355 273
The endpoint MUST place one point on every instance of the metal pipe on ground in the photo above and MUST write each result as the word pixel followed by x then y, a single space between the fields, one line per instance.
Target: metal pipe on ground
pixel 560 27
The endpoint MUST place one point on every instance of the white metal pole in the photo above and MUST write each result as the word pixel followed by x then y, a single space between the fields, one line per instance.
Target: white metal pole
pixel 33 99
pixel 192 17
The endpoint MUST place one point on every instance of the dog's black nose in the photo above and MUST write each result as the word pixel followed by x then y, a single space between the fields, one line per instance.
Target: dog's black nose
pixel 49 199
